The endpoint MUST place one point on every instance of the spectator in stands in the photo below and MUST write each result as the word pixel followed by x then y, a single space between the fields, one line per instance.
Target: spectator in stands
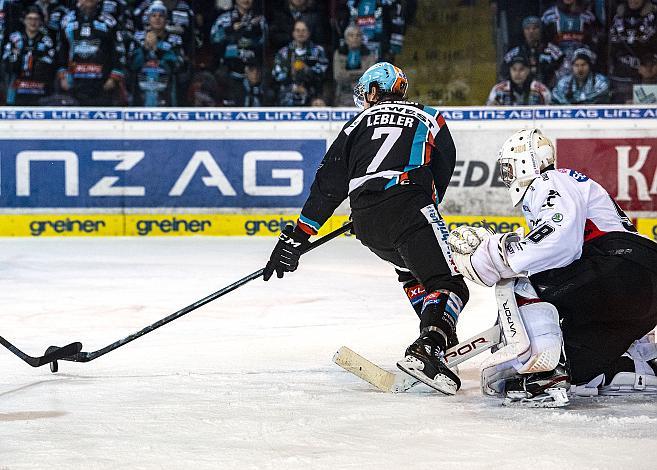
pixel 239 37
pixel 582 85
pixel 648 68
pixel 350 62
pixel 29 60
pixel 508 19
pixel 155 61
pixel 283 20
pixel 521 89
pixel 53 12
pixel 318 102
pixel 570 26
pixel 645 92
pixel 252 91
pixel 11 12
pixel 633 33
pixel 180 22
pixel 544 57
pixel 92 55
pixel 204 91
pixel 299 68
pixel 383 25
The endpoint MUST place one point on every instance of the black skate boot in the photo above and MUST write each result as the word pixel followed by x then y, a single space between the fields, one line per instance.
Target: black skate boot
pixel 539 390
pixel 424 361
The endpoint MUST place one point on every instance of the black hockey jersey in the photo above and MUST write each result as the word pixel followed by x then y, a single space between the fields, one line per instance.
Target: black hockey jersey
pixel 392 143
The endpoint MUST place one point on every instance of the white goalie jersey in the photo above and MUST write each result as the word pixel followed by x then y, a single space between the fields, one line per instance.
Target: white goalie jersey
pixel 564 209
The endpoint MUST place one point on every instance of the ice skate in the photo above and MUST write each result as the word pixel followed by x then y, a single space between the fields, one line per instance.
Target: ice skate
pixel 636 374
pixel 424 361
pixel 539 390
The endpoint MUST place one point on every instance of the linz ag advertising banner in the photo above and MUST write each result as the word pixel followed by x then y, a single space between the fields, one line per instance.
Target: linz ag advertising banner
pixel 145 172
pixel 173 173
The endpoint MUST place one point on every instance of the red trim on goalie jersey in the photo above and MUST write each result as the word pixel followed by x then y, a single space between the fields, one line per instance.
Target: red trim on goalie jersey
pixel 520 301
pixel 591 231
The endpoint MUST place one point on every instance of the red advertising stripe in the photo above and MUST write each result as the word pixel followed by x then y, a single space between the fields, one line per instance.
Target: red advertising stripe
pixel 626 168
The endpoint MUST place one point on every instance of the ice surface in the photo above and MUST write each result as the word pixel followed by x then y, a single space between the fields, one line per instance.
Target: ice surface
pixel 247 381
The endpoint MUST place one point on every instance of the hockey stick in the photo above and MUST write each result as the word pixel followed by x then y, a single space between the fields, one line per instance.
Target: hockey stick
pixel 396 382
pixel 90 356
pixel 53 353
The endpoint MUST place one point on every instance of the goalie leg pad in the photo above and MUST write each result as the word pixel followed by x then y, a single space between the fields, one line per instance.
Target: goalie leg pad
pixel 535 321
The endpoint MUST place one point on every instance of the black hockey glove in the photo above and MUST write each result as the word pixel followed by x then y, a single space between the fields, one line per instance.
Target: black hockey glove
pixel 285 257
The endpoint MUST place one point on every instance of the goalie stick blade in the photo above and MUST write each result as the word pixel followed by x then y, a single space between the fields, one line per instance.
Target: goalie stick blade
pixel 382 379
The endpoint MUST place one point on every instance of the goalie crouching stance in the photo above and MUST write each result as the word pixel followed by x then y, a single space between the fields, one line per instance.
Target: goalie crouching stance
pixel 582 267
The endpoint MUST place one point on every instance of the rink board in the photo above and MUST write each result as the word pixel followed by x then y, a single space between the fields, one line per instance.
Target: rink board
pixel 144 225
pixel 145 172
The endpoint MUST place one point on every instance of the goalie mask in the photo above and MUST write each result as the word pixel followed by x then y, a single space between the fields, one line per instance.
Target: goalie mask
pixel 522 158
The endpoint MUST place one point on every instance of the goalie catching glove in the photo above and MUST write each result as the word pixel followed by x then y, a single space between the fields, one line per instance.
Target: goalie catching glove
pixel 292 242
pixel 481 255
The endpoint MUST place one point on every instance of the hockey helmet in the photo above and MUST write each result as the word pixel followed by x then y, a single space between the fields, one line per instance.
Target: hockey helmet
pixel 387 77
pixel 522 158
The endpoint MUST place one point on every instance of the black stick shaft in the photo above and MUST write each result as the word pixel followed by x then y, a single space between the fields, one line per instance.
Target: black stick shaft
pixel 89 356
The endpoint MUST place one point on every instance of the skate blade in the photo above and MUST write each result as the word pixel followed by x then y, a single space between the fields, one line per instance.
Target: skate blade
pixel 552 398
pixel 626 391
pixel 441 383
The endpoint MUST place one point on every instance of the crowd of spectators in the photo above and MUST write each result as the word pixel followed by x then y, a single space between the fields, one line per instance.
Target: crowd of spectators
pixel 193 52
pixel 578 52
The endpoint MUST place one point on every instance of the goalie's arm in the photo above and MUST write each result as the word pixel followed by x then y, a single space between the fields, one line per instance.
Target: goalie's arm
pixel 481 256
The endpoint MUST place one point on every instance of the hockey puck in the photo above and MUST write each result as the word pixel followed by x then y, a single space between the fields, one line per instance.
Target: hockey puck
pixel 54 367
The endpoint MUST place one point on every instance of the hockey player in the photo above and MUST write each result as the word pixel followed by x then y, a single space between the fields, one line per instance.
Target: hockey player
pixel 394 162
pixel 586 266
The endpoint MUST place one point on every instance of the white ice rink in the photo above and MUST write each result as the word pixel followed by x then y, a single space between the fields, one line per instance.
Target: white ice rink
pixel 247 381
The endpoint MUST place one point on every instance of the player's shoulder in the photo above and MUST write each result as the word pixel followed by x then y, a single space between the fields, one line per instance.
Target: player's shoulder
pixel 567 174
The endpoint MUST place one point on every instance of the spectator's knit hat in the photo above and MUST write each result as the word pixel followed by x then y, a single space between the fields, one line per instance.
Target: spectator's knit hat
pixel 531 20
pixel 519 59
pixel 157 7
pixel 584 53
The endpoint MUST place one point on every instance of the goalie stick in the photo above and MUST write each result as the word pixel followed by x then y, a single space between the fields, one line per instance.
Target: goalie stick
pixel 53 353
pixel 396 382
pixel 83 356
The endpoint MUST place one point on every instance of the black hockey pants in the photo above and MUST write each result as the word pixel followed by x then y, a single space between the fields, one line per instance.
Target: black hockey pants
pixel 402 226
pixel 606 300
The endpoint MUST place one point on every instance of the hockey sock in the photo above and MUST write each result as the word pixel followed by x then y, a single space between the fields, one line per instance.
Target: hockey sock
pixel 440 312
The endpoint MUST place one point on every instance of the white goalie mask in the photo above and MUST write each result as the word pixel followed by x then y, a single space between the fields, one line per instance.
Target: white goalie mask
pixel 522 158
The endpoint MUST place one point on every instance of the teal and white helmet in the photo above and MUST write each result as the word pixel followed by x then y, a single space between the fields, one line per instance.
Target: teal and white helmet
pixel 388 78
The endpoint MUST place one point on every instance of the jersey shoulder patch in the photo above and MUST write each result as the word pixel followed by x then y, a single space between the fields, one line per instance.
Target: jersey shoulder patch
pixel 576 175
